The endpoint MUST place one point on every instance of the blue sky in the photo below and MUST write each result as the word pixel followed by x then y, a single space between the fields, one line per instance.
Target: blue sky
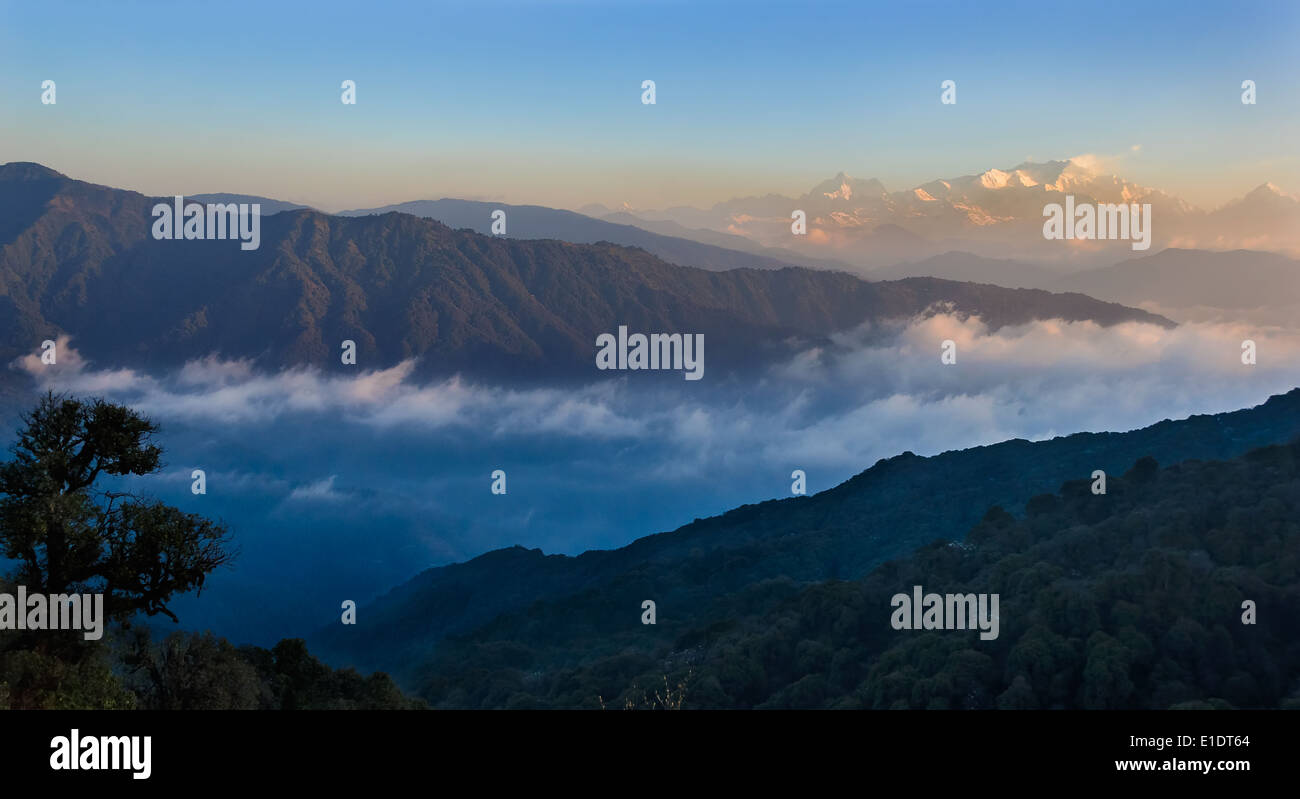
pixel 540 102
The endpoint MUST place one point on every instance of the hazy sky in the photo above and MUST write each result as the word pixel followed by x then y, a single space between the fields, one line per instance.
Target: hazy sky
pixel 541 102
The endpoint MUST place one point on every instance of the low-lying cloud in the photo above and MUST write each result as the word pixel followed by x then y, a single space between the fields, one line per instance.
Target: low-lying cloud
pixel 875 391
pixel 342 487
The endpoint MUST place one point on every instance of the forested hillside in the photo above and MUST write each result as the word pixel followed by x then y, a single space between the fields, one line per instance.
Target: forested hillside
pixel 1129 599
pixel 705 570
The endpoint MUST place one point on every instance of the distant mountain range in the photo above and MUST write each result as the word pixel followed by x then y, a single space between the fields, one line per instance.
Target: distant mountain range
pixel 78 259
pixel 537 222
pixel 269 206
pixel 995 213
pixel 1183 284
pixel 524 610
pixel 1241 283
pixel 1176 281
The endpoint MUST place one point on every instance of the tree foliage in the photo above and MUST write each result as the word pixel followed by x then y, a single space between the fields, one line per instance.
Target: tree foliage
pixel 68 536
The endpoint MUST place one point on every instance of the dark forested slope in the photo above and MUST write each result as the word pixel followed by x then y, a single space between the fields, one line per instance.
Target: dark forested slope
pixel 561 607
pixel 1135 598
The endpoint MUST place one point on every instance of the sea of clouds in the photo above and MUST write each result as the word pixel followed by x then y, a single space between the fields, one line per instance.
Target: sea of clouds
pixel 343 487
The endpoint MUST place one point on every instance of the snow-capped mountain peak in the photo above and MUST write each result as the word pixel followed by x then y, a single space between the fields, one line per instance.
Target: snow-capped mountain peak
pixel 1270 188
pixel 845 188
pixel 995 179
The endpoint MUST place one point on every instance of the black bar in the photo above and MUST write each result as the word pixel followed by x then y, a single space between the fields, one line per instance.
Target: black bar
pixel 573 748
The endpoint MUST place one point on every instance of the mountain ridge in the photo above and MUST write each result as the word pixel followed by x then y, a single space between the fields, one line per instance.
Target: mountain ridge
pixel 78 259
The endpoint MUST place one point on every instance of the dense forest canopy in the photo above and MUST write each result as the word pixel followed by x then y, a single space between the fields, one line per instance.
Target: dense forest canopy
pixel 1128 599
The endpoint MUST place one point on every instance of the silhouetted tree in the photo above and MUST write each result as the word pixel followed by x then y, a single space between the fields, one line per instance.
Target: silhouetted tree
pixel 67 536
